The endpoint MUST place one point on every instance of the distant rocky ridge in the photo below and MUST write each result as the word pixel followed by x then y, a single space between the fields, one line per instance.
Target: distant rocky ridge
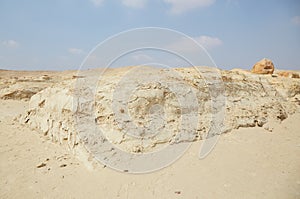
pixel 22 85
pixel 128 109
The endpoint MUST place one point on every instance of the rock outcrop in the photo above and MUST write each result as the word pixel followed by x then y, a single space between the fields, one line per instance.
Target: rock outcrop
pixel 289 74
pixel 142 110
pixel 264 66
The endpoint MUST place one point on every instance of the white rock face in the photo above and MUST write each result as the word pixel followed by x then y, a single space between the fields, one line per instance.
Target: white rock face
pixel 143 109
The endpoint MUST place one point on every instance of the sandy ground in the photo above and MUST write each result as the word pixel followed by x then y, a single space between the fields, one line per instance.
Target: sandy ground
pixel 246 163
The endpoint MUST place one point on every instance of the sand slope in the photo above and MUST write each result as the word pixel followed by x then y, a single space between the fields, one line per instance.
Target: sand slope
pixel 247 163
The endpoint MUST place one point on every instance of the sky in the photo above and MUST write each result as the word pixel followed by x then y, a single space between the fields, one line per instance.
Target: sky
pixel 60 34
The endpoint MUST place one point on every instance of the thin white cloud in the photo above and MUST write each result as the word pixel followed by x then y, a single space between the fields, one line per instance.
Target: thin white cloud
pixel 142 57
pixel 234 2
pixel 75 51
pixel 97 2
pixel 296 20
pixel 181 6
pixel 134 3
pixel 209 42
pixel 128 3
pixel 11 44
pixel 187 45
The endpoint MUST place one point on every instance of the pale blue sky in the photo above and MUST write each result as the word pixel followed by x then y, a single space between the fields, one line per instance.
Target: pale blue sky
pixel 58 34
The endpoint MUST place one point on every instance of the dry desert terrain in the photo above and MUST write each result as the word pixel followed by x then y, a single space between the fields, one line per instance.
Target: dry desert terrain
pixel 42 151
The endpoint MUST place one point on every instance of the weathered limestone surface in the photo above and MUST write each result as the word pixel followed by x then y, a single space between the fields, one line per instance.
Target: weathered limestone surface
pixel 141 110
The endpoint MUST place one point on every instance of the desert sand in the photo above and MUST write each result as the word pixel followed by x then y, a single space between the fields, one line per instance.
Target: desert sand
pixel 257 154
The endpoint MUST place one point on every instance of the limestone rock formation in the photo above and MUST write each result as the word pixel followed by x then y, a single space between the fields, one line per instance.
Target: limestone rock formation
pixel 264 66
pixel 289 74
pixel 141 113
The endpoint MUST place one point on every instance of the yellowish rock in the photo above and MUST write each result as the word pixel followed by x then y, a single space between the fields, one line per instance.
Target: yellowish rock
pixel 264 66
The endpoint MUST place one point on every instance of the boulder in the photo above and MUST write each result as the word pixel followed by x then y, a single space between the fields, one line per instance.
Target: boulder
pixel 264 66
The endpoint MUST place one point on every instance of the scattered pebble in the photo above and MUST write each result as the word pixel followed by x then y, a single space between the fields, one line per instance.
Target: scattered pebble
pixel 63 165
pixel 178 192
pixel 41 165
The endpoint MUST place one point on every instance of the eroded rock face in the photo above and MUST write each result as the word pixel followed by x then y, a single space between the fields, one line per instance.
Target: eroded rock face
pixel 143 110
pixel 264 66
pixel 45 109
pixel 289 74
